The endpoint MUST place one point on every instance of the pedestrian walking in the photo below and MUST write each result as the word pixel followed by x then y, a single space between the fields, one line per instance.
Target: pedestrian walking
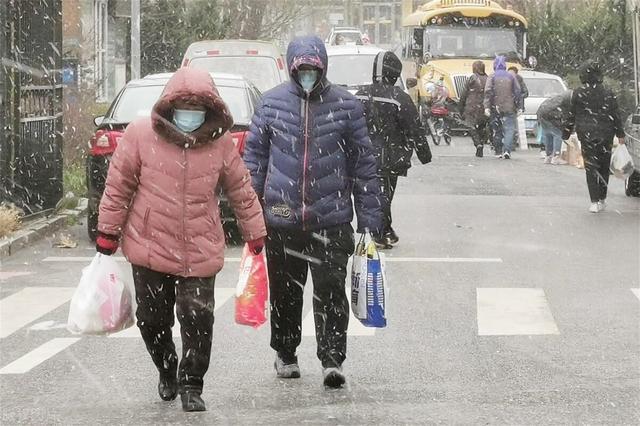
pixel 160 201
pixel 308 152
pixel 595 116
pixel 552 115
pixel 471 106
pixel 395 131
pixel 524 90
pixel 502 101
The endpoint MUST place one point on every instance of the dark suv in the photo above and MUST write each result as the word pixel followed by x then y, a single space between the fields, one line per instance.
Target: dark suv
pixel 135 100
pixel 632 130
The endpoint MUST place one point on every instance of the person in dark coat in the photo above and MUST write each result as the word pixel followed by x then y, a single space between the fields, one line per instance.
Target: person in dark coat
pixel 524 90
pixel 395 131
pixel 502 100
pixel 471 105
pixel 595 116
pixel 552 114
pixel 308 152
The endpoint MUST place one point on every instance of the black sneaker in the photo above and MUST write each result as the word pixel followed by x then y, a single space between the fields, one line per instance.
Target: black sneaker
pixel 480 151
pixel 168 386
pixel 192 401
pixel 506 155
pixel 391 237
pixel 286 366
pixel 333 377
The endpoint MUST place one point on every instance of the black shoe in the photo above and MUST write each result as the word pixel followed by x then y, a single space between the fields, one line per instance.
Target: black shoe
pixel 479 151
pixel 333 377
pixel 191 401
pixel 168 386
pixel 391 237
pixel 506 156
pixel 286 366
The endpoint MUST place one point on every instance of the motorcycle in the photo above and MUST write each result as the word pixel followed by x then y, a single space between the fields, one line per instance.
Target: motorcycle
pixel 439 124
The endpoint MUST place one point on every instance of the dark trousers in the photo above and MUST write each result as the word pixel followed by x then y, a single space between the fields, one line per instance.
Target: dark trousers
pixel 290 254
pixel 497 132
pixel 156 295
pixel 480 132
pixel 388 184
pixel 597 157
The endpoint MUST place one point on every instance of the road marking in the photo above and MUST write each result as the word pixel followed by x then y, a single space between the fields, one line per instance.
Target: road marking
pixel 11 274
pixel 39 355
pixel 221 294
pixel 636 291
pixel 388 259
pixel 28 305
pixel 514 311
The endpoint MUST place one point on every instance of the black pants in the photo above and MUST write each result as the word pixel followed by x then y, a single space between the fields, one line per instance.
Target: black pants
pixel 480 132
pixel 497 132
pixel 289 255
pixel 388 184
pixel 597 156
pixel 156 295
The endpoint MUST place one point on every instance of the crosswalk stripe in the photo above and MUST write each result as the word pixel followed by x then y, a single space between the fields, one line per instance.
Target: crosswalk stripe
pixel 39 355
pixel 636 291
pixel 514 311
pixel 28 305
pixel 88 259
pixel 221 294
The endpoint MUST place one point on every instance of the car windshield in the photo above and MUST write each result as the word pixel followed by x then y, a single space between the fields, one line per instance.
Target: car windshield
pixel 352 70
pixel 351 37
pixel 472 42
pixel 138 101
pixel 543 87
pixel 260 70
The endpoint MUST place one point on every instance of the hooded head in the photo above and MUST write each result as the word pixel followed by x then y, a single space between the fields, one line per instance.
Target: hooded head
pixel 386 68
pixel 310 52
pixel 194 87
pixel 591 73
pixel 499 63
pixel 478 68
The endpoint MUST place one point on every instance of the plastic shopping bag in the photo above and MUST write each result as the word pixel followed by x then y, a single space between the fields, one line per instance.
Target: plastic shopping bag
pixel 621 162
pixel 104 301
pixel 252 291
pixel 369 287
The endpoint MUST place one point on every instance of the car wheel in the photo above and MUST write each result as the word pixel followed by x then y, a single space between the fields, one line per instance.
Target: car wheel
pixel 632 185
pixel 92 225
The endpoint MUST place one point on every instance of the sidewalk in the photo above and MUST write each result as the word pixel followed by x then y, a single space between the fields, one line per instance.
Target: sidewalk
pixel 36 229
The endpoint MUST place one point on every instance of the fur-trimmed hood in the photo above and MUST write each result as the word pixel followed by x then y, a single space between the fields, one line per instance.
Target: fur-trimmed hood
pixel 194 86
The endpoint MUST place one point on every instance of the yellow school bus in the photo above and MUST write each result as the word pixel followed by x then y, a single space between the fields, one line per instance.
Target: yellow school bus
pixel 442 38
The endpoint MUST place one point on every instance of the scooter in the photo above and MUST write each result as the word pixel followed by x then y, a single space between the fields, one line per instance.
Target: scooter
pixel 439 124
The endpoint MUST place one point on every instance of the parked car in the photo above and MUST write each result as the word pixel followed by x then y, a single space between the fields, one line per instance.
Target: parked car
pixel 542 86
pixel 632 130
pixel 137 99
pixel 352 66
pixel 345 36
pixel 260 62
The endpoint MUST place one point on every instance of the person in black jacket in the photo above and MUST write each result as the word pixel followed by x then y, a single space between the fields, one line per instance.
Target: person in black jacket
pixel 596 118
pixel 395 132
pixel 471 106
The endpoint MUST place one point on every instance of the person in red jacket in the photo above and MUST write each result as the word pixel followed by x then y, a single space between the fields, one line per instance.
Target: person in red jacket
pixel 160 202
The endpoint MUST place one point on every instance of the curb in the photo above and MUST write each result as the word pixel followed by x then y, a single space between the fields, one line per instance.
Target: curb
pixel 38 229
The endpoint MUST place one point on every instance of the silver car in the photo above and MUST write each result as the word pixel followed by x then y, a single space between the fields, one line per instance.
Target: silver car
pixel 542 86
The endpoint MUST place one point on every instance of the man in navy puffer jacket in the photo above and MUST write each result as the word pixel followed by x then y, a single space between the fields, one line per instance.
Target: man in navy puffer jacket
pixel 308 152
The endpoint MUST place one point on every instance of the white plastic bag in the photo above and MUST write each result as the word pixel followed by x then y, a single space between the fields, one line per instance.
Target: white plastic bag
pixel 621 162
pixel 369 286
pixel 104 301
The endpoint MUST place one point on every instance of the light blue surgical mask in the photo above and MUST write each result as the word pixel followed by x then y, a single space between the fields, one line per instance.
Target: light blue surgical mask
pixel 308 79
pixel 188 120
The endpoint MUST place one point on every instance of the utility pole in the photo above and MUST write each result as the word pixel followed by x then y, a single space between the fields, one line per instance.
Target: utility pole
pixel 135 39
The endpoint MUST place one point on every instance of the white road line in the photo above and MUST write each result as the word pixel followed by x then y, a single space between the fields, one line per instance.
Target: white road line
pixel 636 291
pixel 222 295
pixel 39 355
pixel 514 311
pixel 28 305
pixel 388 259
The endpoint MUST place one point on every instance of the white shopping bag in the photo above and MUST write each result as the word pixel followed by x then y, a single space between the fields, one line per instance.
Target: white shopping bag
pixel 369 287
pixel 621 162
pixel 104 301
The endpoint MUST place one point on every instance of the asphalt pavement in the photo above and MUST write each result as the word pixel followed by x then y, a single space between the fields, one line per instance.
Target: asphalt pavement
pixel 510 303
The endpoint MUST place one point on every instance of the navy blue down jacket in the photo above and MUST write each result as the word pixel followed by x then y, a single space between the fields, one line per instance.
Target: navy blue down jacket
pixel 308 153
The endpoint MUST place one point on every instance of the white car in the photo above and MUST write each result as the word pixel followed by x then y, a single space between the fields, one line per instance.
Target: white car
pixel 542 86
pixel 345 36
pixel 352 66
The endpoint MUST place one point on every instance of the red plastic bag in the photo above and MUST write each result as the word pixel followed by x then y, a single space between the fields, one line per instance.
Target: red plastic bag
pixel 252 291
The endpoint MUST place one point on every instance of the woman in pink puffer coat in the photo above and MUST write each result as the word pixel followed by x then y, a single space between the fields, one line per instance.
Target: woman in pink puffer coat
pixel 160 201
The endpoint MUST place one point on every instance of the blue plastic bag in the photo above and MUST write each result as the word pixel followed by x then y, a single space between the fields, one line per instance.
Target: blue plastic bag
pixel 368 285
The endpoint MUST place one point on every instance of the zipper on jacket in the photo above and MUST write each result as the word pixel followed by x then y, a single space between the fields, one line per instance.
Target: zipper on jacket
pixel 304 162
pixel 184 212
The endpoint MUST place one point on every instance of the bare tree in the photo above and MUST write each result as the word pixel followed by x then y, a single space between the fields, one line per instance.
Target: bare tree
pixel 263 19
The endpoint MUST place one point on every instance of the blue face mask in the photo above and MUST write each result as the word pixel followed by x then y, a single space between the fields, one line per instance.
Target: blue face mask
pixel 188 120
pixel 308 79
